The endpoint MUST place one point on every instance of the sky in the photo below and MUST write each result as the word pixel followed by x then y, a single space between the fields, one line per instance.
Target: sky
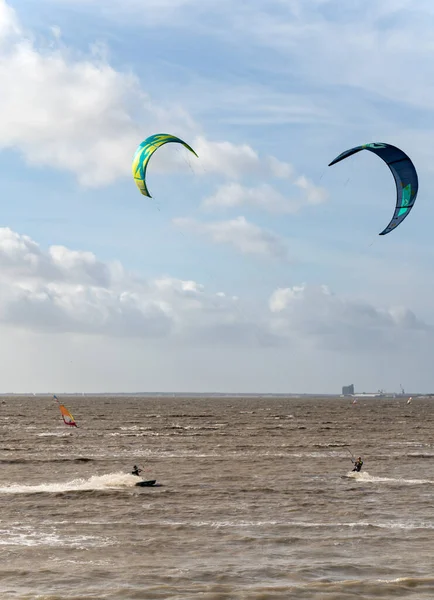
pixel 254 267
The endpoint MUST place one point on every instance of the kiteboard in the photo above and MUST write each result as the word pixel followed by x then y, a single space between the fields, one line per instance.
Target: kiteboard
pixel 147 483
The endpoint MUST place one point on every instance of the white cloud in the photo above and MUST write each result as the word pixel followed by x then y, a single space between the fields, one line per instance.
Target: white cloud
pixel 313 194
pixel 234 161
pixel 156 13
pixel 8 22
pixel 92 135
pixel 358 45
pixel 65 291
pixel 240 234
pixel 362 46
pixel 225 158
pixel 69 292
pixel 265 197
pixel 320 318
pixel 99 116
pixel 280 169
pixel 77 114
pixel 20 255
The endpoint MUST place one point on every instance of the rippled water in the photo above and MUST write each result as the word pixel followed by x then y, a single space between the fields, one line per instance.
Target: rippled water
pixel 257 499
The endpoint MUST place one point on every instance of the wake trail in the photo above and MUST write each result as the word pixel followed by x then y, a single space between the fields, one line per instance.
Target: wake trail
pixel 109 481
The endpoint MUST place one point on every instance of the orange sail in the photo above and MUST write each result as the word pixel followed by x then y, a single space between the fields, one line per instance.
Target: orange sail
pixel 68 419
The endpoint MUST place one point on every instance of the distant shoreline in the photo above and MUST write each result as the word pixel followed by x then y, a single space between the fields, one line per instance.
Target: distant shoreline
pixel 360 396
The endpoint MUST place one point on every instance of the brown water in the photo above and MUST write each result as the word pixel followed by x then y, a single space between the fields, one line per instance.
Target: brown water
pixel 257 499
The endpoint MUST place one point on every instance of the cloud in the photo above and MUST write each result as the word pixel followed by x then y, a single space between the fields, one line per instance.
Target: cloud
pixel 319 318
pixel 360 46
pixel 8 22
pixel 62 290
pixel 65 291
pixel 70 292
pixel 313 194
pixel 234 161
pixel 265 197
pixel 93 134
pixel 20 255
pixel 231 160
pixel 74 113
pixel 240 234
pixel 100 115
pixel 158 12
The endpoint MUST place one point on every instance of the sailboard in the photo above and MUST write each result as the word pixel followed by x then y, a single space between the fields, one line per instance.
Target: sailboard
pixel 68 419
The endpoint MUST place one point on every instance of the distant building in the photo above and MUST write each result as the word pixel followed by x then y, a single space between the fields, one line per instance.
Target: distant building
pixel 348 390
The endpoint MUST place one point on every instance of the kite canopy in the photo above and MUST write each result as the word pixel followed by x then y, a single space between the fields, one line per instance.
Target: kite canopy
pixel 404 173
pixel 143 154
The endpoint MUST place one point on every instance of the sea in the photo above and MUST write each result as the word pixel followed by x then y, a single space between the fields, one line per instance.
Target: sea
pixel 255 498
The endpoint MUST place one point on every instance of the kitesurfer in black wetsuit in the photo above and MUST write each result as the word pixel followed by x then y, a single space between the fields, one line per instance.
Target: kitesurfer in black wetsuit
pixel 358 464
pixel 136 470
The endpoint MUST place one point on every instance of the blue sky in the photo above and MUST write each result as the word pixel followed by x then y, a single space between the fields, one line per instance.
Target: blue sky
pixel 253 268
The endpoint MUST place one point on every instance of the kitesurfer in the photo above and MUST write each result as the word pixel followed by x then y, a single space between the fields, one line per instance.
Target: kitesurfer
pixel 358 464
pixel 136 470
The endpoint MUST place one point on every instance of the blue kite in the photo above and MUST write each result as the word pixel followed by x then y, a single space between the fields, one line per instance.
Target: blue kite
pixel 404 173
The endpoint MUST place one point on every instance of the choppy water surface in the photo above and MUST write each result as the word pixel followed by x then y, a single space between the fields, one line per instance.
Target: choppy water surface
pixel 257 499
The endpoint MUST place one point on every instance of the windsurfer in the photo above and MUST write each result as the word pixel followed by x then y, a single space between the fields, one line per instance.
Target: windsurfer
pixel 136 470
